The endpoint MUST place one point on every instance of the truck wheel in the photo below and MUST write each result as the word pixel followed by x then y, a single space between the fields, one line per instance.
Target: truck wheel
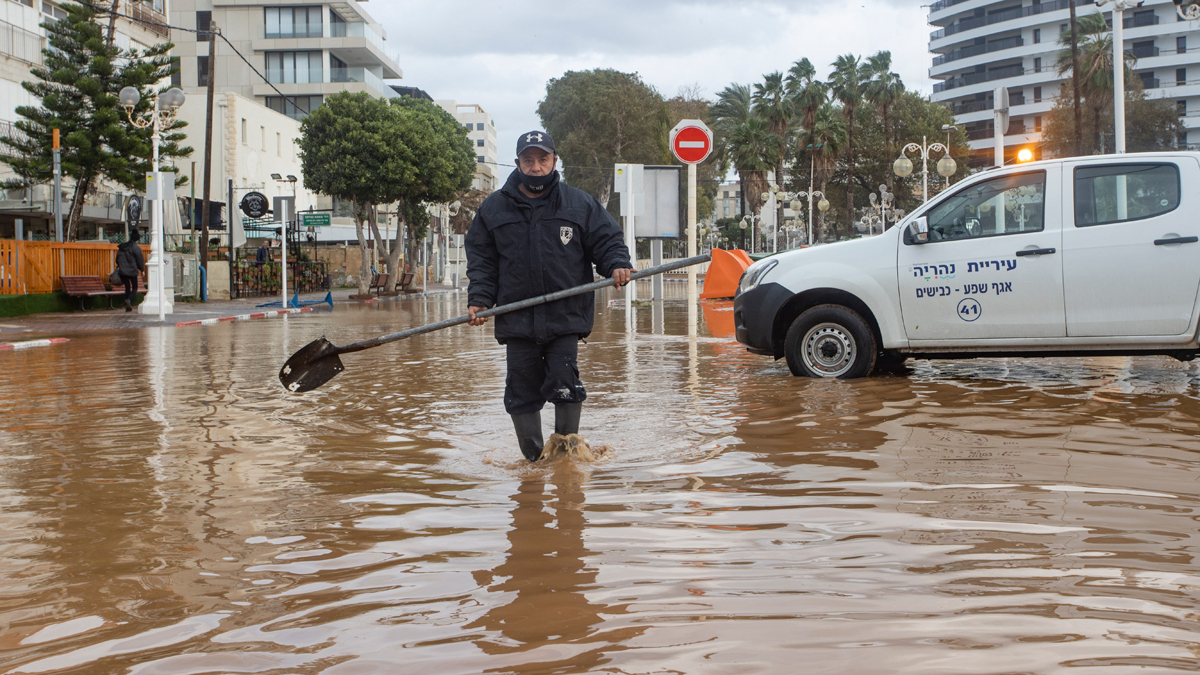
pixel 830 341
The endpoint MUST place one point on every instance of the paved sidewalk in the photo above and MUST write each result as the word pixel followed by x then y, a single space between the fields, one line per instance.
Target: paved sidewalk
pixel 59 323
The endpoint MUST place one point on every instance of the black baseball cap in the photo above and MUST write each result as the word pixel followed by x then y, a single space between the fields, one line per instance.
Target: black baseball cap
pixel 535 139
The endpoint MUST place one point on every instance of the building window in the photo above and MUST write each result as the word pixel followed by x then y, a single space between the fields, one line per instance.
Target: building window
pixel 479 159
pixel 203 23
pixel 1181 44
pixel 278 145
pixel 293 22
pixel 481 126
pixel 479 142
pixel 1037 65
pixel 202 71
pixel 53 11
pixel 1180 77
pixel 245 140
pixel 294 67
pixel 1181 108
pixel 1037 124
pixel 1037 94
pixel 263 132
pixel 1037 36
pixel 295 107
pixel 1148 80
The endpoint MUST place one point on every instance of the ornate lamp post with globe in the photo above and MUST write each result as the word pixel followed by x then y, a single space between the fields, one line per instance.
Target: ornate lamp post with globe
pixel 903 166
pixel 795 197
pixel 161 116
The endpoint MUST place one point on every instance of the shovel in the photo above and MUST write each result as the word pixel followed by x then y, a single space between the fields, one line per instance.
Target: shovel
pixel 317 362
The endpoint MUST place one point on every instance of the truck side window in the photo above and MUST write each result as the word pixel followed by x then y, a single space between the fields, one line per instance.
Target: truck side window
pixel 1006 205
pixel 1116 193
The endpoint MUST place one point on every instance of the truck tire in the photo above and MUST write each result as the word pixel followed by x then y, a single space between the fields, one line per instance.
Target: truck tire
pixel 830 341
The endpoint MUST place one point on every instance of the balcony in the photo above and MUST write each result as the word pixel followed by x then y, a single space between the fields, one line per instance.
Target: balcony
pixel 976 50
pixel 1150 83
pixel 151 16
pixel 1139 20
pixel 998 17
pixel 363 76
pixel 976 78
pixel 986 104
pixel 20 44
pixel 362 30
pixel 1144 51
pixel 7 130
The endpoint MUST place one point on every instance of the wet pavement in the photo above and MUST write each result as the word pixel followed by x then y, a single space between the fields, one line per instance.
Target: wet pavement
pixel 166 508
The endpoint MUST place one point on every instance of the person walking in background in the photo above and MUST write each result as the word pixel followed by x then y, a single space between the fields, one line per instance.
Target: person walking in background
pixel 262 256
pixel 130 265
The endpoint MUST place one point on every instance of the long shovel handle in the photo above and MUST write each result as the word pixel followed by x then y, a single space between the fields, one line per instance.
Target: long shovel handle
pixel 514 306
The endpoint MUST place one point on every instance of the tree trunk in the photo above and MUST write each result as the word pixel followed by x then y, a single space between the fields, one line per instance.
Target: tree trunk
pixel 394 251
pixel 1075 84
pixel 778 203
pixel 76 210
pixel 887 144
pixel 742 198
pixel 364 268
pixel 1096 140
pixel 850 172
pixel 819 235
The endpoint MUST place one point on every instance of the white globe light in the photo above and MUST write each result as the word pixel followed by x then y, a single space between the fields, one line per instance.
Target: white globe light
pixel 129 97
pixel 766 197
pixel 823 205
pixel 795 205
pixel 903 167
pixel 946 167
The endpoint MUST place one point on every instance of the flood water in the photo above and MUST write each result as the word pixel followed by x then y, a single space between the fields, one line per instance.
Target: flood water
pixel 166 508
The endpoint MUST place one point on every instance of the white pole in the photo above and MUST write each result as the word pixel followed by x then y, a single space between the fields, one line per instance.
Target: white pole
pixel 1118 19
pixel 691 233
pixel 287 214
pixel 631 244
pixel 156 228
pixel 999 136
pixel 924 169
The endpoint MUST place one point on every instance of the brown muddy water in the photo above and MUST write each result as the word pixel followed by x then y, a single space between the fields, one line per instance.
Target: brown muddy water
pixel 165 508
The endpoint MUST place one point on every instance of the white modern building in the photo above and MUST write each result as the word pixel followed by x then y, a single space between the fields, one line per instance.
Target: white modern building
pixel 306 50
pixel 482 128
pixel 28 214
pixel 979 45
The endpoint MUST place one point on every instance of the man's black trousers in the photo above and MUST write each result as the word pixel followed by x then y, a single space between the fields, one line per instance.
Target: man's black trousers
pixel 538 373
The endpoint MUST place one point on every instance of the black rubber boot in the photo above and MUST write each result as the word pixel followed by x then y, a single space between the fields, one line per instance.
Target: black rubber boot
pixel 529 434
pixel 566 418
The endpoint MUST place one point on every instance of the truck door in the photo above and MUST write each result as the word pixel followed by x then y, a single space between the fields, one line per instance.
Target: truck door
pixel 992 266
pixel 1131 257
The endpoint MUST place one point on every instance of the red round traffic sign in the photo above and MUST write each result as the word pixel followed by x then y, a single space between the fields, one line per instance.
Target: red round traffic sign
pixel 691 144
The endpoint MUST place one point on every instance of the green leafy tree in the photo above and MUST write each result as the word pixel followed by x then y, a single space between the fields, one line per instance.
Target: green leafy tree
pixel 848 83
pixel 370 152
pixel 77 86
pixel 1150 125
pixel 1095 73
pixel 603 117
pixel 773 103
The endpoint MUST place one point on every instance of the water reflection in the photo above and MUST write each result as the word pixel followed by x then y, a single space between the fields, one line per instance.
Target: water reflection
pixel 164 508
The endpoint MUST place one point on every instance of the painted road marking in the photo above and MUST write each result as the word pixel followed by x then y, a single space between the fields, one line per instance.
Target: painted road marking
pixel 242 317
pixel 31 343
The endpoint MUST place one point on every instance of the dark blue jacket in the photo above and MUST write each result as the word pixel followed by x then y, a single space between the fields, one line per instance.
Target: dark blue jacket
pixel 519 248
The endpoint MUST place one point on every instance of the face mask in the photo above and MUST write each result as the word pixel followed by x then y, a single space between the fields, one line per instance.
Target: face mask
pixel 537 184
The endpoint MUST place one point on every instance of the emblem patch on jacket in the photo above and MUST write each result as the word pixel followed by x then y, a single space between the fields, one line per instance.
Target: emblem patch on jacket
pixel 565 233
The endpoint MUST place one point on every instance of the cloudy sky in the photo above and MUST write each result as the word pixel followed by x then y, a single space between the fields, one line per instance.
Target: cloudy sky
pixel 501 53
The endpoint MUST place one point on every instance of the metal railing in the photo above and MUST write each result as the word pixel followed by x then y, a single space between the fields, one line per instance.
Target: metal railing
pixel 976 78
pixel 1144 51
pixel 976 50
pixel 1139 20
pixel 362 30
pixel 151 17
pixel 20 44
pixel 9 131
pixel 986 104
pixel 254 280
pixel 1001 16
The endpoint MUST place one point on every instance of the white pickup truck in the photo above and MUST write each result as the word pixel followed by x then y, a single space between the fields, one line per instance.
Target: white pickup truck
pixel 1086 255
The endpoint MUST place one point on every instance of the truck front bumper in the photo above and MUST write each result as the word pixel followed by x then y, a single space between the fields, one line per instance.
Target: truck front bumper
pixel 754 315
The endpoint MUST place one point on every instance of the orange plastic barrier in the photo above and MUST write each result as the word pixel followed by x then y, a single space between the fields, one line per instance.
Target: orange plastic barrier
pixel 724 273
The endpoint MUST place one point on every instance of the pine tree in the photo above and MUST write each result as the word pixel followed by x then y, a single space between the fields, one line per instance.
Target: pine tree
pixel 78 84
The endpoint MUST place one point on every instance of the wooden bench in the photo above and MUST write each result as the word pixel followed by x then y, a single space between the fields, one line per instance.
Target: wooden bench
pixel 378 283
pixel 84 287
pixel 406 280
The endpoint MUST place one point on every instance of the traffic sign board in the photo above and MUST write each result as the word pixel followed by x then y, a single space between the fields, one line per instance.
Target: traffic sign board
pixel 315 220
pixel 691 141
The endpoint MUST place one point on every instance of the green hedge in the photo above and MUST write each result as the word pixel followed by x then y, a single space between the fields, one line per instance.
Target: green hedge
pixel 40 303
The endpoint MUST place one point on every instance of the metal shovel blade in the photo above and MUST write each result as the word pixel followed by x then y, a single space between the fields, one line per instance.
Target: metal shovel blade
pixel 314 365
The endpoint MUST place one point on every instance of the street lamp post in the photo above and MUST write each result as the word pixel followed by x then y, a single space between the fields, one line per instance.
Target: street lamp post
pixel 948 128
pixel 286 218
pixel 809 195
pixel 903 166
pixel 881 212
pixel 1118 27
pixel 162 115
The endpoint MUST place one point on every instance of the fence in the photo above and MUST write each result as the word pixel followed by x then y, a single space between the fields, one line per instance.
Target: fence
pixel 37 266
pixel 252 280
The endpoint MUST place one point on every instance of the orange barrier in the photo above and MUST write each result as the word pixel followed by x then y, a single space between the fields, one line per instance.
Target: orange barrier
pixel 718 318
pixel 38 266
pixel 724 273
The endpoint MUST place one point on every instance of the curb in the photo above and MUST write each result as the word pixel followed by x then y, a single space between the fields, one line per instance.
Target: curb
pixel 5 346
pixel 244 317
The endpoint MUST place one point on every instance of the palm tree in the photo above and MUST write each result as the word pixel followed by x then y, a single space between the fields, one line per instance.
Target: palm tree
pixel 884 89
pixel 825 136
pixel 753 150
pixel 1095 75
pixel 734 106
pixel 848 82
pixel 807 92
pixel 771 102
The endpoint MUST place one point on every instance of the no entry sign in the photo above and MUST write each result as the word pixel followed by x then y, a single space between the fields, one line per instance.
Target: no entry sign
pixel 691 141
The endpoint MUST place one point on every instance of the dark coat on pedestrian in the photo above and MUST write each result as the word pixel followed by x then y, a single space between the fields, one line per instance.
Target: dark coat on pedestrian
pixel 519 248
pixel 130 261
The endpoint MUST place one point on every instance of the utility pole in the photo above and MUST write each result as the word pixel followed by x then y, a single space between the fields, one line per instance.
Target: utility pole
pixel 1075 83
pixel 58 232
pixel 208 135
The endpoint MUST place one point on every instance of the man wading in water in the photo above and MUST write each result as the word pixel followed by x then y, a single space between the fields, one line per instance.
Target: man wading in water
pixel 536 236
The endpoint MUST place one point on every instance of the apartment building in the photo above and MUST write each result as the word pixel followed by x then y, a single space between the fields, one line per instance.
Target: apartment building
pixel 28 214
pixel 482 132
pixel 305 50
pixel 979 45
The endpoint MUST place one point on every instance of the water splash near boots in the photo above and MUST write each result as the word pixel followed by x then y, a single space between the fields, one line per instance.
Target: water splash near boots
pixel 573 446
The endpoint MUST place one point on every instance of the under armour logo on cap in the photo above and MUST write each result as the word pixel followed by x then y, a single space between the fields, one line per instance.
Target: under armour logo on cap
pixel 535 139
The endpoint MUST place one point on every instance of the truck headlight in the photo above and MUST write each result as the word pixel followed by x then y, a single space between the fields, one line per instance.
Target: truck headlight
pixel 755 274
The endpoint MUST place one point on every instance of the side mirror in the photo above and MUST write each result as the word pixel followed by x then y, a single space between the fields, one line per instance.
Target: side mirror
pixel 918 230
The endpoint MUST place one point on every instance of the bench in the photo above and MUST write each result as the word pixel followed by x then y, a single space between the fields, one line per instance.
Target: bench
pixel 378 283
pixel 84 287
pixel 406 280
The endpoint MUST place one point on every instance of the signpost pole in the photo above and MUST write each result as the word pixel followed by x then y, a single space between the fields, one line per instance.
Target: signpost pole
pixel 287 214
pixel 691 233
pixel 630 242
